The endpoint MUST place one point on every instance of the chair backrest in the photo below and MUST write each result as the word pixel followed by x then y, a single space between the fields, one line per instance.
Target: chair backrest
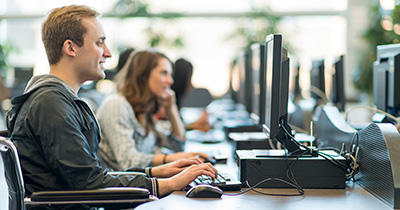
pixel 11 174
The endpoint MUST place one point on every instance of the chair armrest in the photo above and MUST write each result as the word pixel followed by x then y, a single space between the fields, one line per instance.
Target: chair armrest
pixel 4 133
pixel 133 173
pixel 110 193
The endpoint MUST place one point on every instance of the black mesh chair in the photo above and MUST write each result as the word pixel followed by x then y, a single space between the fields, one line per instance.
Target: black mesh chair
pixel 109 198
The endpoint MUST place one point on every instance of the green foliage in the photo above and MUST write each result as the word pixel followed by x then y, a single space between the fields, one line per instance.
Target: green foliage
pixel 129 8
pixel 375 35
pixel 158 38
pixel 5 50
pixel 139 8
pixel 254 28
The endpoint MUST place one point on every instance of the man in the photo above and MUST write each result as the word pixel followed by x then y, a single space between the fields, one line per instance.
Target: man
pixel 57 134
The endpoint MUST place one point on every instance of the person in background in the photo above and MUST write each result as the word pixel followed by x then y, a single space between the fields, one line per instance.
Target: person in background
pixel 183 71
pixel 123 57
pixel 130 137
pixel 56 133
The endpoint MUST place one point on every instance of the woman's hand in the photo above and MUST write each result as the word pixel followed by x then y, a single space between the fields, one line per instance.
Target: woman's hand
pixel 168 99
pixel 201 124
pixel 181 155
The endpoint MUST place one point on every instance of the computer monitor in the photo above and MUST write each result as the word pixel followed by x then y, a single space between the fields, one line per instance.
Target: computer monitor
pixel 275 124
pixel 245 80
pixel 296 83
pixel 386 77
pixel 22 75
pixel 234 83
pixel 317 77
pixel 337 95
pixel 258 83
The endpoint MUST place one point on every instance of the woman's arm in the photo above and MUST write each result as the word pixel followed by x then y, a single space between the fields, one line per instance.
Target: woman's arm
pixel 178 127
pixel 121 130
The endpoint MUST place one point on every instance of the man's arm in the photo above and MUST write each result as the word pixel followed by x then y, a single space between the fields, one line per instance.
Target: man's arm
pixel 69 140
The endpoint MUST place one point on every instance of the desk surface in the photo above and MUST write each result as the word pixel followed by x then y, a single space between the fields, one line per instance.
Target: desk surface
pixel 353 197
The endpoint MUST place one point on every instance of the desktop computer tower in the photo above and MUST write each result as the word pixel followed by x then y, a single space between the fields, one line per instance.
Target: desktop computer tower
pixel 309 172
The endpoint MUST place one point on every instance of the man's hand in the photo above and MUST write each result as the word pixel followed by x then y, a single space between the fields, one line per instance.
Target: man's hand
pixel 173 168
pixel 182 179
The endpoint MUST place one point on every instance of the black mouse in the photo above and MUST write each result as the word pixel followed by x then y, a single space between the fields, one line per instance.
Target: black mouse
pixel 204 191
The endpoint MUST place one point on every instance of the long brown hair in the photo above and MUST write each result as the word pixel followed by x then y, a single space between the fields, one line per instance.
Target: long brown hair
pixel 132 83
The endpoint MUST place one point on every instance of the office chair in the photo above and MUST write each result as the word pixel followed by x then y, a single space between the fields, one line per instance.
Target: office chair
pixel 110 198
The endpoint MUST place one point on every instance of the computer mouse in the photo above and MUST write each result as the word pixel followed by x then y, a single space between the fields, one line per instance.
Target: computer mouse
pixel 204 191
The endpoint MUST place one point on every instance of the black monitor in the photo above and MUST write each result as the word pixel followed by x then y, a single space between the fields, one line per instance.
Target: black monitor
pixel 245 80
pixel 234 83
pixel 275 124
pixel 317 77
pixel 297 89
pixel 337 95
pixel 258 82
pixel 386 77
pixel 22 75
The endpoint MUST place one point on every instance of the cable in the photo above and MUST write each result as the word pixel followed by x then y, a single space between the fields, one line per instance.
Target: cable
pixel 375 110
pixel 320 93
pixel 300 130
pixel 271 144
pixel 350 169
pixel 300 190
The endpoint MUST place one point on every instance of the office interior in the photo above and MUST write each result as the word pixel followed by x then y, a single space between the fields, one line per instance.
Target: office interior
pixel 315 34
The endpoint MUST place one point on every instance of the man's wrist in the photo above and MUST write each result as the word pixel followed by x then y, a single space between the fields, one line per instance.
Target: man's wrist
pixel 165 159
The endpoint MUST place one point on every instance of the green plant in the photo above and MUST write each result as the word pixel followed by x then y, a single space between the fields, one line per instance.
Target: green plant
pixel 375 35
pixel 254 28
pixel 139 8
pixel 5 50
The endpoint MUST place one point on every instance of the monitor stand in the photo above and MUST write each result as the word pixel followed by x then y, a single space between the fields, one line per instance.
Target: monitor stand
pixel 309 171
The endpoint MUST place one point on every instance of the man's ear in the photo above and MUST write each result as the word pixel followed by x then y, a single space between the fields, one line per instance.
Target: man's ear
pixel 69 48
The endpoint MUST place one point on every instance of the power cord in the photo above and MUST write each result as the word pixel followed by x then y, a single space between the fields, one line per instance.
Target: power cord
pixel 351 158
pixel 396 119
pixel 300 190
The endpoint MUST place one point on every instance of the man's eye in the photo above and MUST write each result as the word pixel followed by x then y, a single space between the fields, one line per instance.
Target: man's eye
pixel 100 43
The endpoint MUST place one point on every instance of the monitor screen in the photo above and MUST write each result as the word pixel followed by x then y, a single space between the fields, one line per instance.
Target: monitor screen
pixel 22 75
pixel 258 83
pixel 386 77
pixel 277 71
pixel 245 80
pixel 296 83
pixel 274 81
pixel 242 78
pixel 234 81
pixel 317 75
pixel 337 95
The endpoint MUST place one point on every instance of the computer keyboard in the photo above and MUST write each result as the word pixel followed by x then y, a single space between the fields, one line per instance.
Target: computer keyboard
pixel 224 181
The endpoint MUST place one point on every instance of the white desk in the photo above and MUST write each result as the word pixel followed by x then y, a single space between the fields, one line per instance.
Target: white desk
pixel 353 197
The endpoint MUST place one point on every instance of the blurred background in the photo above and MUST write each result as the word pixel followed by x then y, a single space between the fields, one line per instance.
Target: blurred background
pixel 211 33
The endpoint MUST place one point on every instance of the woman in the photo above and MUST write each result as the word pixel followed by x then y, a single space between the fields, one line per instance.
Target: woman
pixel 129 134
pixel 182 87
